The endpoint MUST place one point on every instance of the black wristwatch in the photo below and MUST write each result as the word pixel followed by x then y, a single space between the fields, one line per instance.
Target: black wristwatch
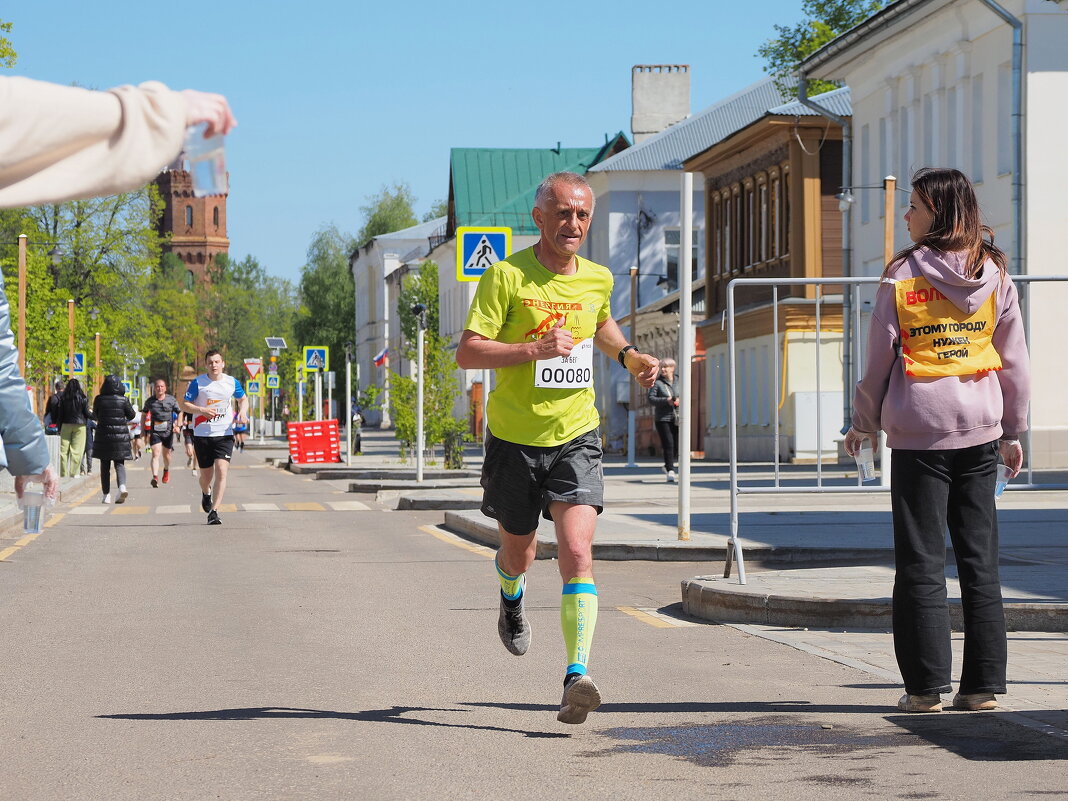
pixel 623 352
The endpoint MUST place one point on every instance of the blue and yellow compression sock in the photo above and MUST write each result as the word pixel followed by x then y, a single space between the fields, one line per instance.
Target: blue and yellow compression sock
pixel 578 617
pixel 511 586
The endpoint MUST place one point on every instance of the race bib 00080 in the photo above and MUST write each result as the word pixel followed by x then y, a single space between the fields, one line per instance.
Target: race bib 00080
pixel 573 371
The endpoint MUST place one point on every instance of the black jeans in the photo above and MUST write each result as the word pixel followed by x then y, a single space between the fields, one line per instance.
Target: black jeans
pixel 105 473
pixel 931 491
pixel 669 441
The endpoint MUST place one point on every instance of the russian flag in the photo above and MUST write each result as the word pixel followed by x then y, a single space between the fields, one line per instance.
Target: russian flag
pixel 381 357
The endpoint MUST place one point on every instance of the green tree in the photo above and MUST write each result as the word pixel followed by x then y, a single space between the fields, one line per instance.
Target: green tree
pixel 327 314
pixel 824 20
pixel 388 211
pixel 440 384
pixel 8 56
pixel 439 209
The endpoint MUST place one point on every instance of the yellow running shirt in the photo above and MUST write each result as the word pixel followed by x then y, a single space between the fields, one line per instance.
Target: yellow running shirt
pixel 549 402
pixel 937 338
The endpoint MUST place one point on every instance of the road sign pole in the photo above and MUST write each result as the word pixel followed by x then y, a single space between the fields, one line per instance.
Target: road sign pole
pixel 263 414
pixel 419 410
pixel 348 412
pixel 318 395
pixel 329 397
pixel 300 395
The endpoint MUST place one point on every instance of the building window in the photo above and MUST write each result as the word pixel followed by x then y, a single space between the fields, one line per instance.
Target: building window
pixel 763 227
pixel 750 227
pixel 776 214
pixel 190 279
pixel 672 238
pixel 786 213
pixel 189 215
pixel 215 216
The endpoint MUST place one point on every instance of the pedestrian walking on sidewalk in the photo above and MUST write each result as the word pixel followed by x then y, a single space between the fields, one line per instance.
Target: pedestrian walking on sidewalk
pixel 208 399
pixel 535 318
pixel 157 418
pixel 664 395
pixel 73 417
pixel 948 380
pixel 113 412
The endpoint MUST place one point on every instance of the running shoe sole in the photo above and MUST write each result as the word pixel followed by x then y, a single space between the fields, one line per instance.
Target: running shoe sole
pixel 580 698
pixel 513 628
pixel 122 497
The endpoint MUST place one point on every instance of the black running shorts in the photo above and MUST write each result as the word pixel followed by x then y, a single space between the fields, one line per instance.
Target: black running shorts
pixel 520 481
pixel 208 449
pixel 166 439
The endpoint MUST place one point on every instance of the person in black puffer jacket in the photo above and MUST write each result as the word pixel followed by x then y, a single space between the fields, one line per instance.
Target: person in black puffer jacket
pixel 113 412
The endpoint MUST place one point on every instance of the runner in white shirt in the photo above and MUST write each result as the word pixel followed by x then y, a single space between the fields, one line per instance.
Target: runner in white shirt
pixel 208 399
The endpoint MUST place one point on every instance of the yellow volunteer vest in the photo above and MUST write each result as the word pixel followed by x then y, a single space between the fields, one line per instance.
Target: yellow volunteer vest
pixel 938 339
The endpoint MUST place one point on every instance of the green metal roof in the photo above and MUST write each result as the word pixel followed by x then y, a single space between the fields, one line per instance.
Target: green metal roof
pixel 495 186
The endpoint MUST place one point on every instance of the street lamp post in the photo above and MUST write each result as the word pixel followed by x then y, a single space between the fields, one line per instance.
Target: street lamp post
pixel 56 255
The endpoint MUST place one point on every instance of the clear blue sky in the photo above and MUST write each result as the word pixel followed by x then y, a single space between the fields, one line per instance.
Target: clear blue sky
pixel 335 99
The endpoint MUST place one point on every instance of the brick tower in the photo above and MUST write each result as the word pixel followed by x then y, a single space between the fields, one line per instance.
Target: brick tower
pixel 197 225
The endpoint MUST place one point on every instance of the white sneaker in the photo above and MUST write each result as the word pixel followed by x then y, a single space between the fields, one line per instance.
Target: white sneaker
pixel 671 476
pixel 107 498
pixel 122 494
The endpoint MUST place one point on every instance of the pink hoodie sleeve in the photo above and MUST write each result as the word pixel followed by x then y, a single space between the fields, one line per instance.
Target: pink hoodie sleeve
pixel 880 358
pixel 1015 373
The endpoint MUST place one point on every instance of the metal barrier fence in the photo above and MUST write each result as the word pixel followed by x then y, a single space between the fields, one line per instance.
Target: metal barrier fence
pixel 852 287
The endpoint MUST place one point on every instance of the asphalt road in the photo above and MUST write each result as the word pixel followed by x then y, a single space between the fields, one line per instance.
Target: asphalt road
pixel 314 652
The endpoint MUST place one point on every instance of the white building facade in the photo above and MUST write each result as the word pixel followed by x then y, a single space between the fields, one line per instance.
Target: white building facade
pixel 932 85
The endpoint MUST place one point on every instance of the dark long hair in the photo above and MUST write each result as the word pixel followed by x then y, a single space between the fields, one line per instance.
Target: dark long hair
pixel 73 396
pixel 957 225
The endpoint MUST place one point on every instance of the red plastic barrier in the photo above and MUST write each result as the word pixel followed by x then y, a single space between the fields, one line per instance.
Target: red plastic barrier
pixel 314 441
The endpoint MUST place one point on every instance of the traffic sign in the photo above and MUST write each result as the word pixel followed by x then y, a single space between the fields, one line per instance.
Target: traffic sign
pixel 316 357
pixel 478 248
pixel 254 388
pixel 254 367
pixel 273 381
pixel 79 364
pixel 129 387
pixel 300 373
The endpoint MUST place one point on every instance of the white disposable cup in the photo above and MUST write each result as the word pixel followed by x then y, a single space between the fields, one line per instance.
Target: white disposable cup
pixel 866 461
pixel 1002 479
pixel 32 511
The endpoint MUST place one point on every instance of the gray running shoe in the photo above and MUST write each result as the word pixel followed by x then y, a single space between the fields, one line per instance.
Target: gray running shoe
pixel 513 627
pixel 581 697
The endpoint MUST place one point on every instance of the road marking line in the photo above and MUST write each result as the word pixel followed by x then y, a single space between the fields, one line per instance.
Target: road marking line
pixel 654 618
pixel 51 521
pixel 174 510
pixel 26 540
pixel 451 539
pixel 260 507
pixel 88 510
pixel 226 508
pixel 4 554
pixel 305 506
pixel 131 510
pixel 348 506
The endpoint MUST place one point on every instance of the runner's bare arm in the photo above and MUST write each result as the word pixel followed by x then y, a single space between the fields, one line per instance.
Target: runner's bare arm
pixel 242 409
pixel 476 352
pixel 610 340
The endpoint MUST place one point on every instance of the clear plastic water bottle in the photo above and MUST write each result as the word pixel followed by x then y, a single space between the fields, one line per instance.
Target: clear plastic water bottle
pixel 207 161
pixel 1002 480
pixel 866 461
pixel 32 502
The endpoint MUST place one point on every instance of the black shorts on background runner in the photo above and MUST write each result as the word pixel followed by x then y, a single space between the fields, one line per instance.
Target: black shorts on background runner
pixel 520 481
pixel 208 449
pixel 166 439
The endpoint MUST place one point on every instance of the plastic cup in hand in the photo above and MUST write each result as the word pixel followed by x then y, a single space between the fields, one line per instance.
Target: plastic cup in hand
pixel 207 161
pixel 1002 479
pixel 32 502
pixel 866 461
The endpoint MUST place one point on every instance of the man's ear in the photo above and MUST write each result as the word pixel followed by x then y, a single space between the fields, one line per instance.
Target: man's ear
pixel 536 215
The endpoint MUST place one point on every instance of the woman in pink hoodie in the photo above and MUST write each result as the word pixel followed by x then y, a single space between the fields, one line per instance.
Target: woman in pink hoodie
pixel 948 380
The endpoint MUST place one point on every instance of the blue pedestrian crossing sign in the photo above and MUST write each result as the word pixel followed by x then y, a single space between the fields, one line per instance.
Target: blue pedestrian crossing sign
pixel 79 364
pixel 254 388
pixel 479 247
pixel 129 387
pixel 316 358
pixel 273 381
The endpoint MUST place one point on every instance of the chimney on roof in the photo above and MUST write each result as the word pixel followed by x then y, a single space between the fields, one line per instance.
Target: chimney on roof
pixel 659 97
